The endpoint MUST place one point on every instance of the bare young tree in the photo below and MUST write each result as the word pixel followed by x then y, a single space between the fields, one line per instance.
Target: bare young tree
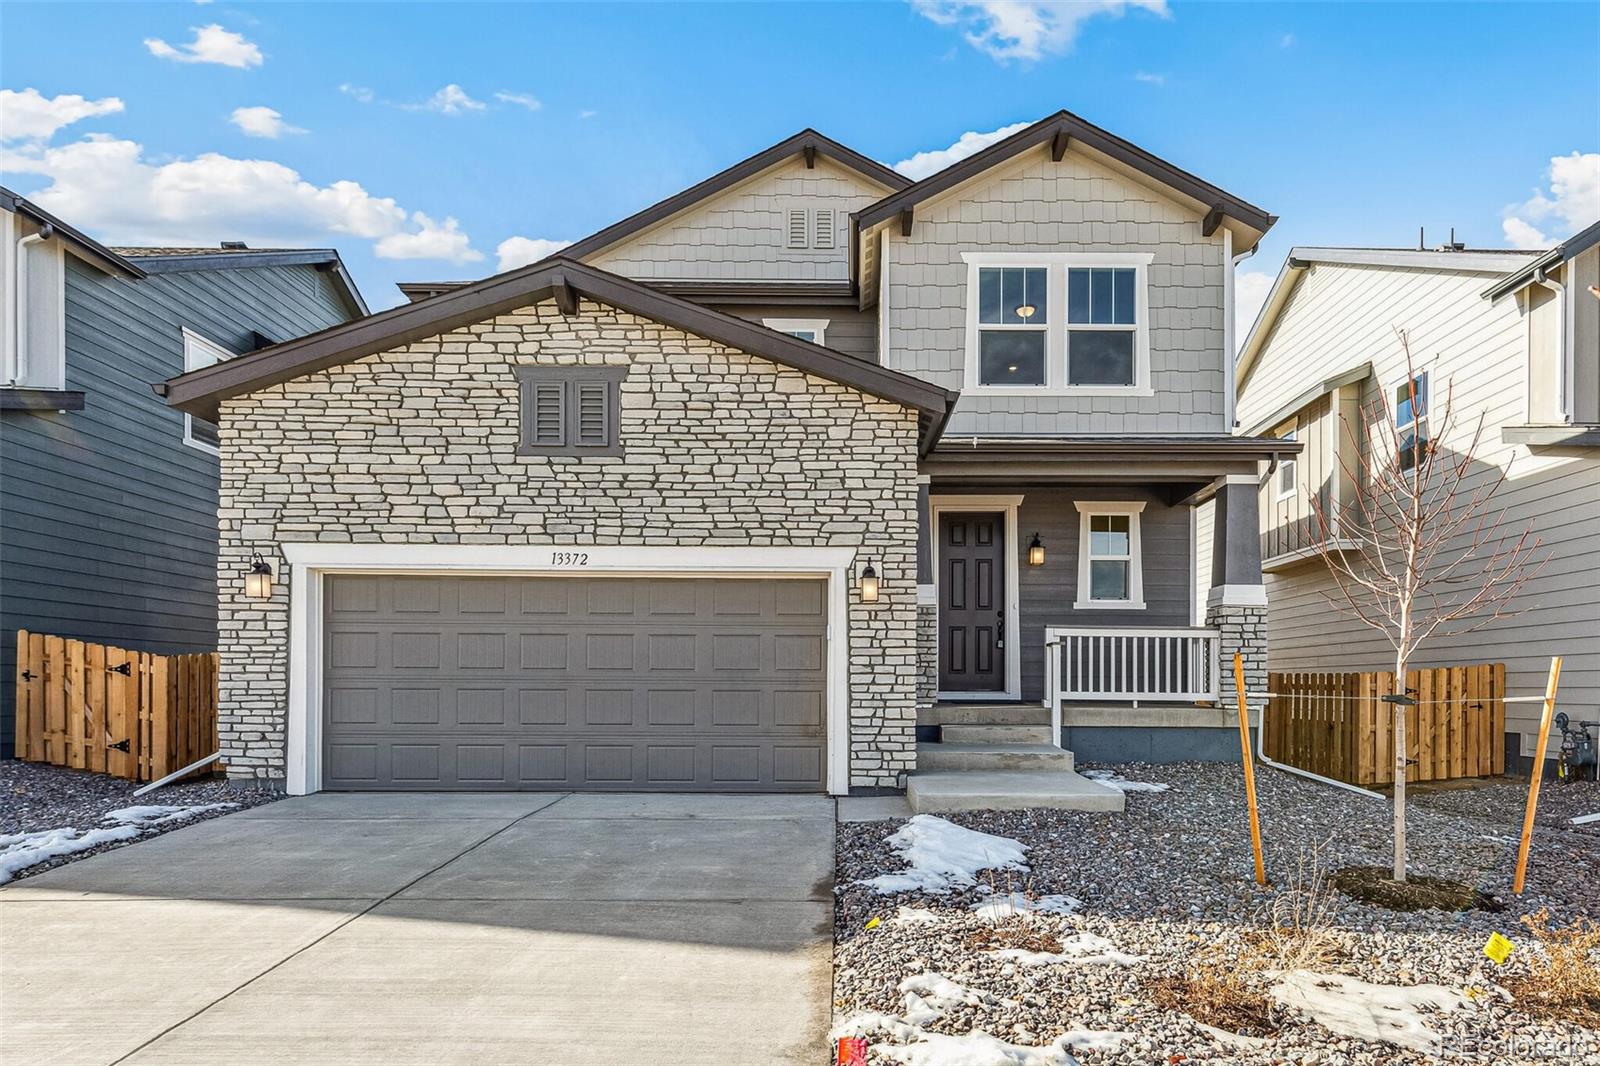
pixel 1421 550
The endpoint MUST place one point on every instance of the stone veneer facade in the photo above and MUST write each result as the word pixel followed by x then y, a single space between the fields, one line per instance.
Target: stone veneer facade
pixel 1243 629
pixel 418 446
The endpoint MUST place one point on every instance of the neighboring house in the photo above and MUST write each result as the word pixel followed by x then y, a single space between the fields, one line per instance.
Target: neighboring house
pixel 1513 337
pixel 734 492
pixel 108 500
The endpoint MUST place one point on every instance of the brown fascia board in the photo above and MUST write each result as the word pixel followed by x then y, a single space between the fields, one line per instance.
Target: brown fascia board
pixel 84 246
pixel 200 391
pixel 806 293
pixel 1075 128
pixel 740 171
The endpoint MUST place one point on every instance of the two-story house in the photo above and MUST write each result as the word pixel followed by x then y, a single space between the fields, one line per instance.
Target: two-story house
pixel 108 498
pixel 1511 337
pixel 734 493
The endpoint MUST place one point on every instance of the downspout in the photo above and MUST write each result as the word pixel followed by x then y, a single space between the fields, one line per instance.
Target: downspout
pixel 1261 757
pixel 1542 277
pixel 1230 395
pixel 46 231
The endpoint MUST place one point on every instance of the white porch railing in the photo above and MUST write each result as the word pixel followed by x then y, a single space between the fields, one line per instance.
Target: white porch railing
pixel 1168 665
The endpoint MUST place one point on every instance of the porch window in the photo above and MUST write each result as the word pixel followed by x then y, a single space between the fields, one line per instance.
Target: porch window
pixel 1013 323
pixel 1102 326
pixel 1110 570
pixel 199 352
pixel 1411 420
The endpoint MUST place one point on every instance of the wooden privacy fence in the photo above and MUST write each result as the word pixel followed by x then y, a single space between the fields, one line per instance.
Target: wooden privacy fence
pixel 114 711
pixel 1338 725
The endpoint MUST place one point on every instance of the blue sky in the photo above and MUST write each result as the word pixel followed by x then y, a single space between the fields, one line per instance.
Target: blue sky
pixel 417 138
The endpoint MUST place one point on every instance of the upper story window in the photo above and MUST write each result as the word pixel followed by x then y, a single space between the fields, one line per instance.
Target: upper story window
pixel 807 329
pixel 1411 420
pixel 570 410
pixel 1058 323
pixel 1288 467
pixel 1110 567
pixel 199 352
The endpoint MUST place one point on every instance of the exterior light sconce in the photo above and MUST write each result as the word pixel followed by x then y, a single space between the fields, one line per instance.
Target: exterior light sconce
pixel 1026 311
pixel 869 584
pixel 1036 551
pixel 258 579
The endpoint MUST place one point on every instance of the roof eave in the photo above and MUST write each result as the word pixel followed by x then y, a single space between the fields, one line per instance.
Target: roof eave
pixel 83 246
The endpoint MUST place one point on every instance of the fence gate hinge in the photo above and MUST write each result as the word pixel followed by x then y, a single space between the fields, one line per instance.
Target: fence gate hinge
pixel 121 745
pixel 125 669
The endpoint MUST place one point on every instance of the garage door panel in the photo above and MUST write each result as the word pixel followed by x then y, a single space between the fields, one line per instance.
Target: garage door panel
pixel 457 682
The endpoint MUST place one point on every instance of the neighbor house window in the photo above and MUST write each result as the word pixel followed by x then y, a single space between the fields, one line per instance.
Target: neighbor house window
pixel 1288 468
pixel 570 410
pixel 1013 325
pixel 1411 420
pixel 1110 571
pixel 198 352
pixel 1058 322
pixel 807 329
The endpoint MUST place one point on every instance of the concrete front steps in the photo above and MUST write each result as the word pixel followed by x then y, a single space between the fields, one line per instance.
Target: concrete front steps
pixel 999 757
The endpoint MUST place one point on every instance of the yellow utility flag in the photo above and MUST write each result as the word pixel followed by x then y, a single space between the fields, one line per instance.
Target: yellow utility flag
pixel 1498 949
pixel 874 923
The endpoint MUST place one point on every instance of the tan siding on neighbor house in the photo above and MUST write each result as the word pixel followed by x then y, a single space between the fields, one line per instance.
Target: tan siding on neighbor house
pixel 1035 204
pixel 742 234
pixel 1475 351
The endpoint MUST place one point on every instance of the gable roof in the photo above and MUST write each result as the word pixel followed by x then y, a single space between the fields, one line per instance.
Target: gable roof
pixel 808 143
pixel 85 246
pixel 156 260
pixel 1574 245
pixel 1301 258
pixel 1059 130
pixel 200 391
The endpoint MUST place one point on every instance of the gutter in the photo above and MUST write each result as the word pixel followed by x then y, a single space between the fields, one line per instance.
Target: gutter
pixel 1541 277
pixel 20 300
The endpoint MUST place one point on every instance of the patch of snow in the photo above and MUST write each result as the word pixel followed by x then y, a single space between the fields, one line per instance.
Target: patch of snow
pixel 1080 949
pixel 1120 783
pixel 929 995
pixel 914 916
pixel 976 1048
pixel 1094 1039
pixel 1227 1039
pixel 942 855
pixel 1351 1007
pixel 868 1023
pixel 998 908
pixel 161 815
pixel 22 850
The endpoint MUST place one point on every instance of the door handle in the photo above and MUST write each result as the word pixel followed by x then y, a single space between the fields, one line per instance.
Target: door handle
pixel 1000 631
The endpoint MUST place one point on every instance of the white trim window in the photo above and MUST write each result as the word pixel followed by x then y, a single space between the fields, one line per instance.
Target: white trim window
pixel 199 352
pixel 1288 468
pixel 814 330
pixel 1110 563
pixel 1058 323
pixel 1411 420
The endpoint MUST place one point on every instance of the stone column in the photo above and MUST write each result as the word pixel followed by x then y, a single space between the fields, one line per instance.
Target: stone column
pixel 1237 606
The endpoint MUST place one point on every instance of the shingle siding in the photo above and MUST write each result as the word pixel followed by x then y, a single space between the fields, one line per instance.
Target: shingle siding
pixel 107 520
pixel 1034 204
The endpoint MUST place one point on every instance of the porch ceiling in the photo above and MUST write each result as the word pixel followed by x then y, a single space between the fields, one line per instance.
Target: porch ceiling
pixel 1169 461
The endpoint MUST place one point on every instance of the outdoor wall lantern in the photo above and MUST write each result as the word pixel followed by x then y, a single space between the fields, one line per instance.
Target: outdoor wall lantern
pixel 1036 551
pixel 258 580
pixel 869 584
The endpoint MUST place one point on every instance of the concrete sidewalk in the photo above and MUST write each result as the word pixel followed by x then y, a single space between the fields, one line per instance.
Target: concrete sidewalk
pixel 609 930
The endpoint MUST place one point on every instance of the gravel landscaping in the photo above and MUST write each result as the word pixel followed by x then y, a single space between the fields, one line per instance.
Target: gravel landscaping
pixel 1166 889
pixel 36 798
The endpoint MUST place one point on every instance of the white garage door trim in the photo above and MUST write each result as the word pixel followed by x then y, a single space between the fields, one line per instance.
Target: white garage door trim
pixel 310 563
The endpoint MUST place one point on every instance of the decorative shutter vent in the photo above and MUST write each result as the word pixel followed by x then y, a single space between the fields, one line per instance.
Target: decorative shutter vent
pixel 824 231
pixel 797 228
pixel 593 413
pixel 548 411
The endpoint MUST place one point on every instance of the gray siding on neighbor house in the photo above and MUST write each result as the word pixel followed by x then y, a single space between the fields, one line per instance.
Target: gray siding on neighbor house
pixel 108 521
pixel 849 331
pixel 1047 593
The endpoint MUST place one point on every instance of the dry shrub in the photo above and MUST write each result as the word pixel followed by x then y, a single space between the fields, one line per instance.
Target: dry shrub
pixel 1563 976
pixel 1298 931
pixel 1015 933
pixel 1216 990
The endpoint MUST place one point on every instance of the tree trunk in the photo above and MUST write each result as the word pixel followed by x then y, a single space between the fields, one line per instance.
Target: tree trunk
pixel 1400 766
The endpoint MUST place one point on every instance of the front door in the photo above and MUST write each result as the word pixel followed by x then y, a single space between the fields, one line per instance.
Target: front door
pixel 972 614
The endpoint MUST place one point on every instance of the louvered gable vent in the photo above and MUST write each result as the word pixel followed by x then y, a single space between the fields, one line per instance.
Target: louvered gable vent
pixel 797 228
pixel 824 228
pixel 593 403
pixel 570 410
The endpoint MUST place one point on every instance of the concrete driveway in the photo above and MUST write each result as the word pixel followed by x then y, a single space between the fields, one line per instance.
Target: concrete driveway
pixel 611 930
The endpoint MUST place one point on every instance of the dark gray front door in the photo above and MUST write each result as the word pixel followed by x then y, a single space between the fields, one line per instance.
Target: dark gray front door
pixel 972 602
pixel 626 684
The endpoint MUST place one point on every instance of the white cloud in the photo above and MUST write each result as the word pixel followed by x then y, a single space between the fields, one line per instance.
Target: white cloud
pixel 450 100
pixel 1571 203
pixel 261 122
pixel 1250 289
pixel 211 44
pixel 360 93
pixel 29 116
pixel 587 114
pixel 514 252
pixel 1150 79
pixel 1024 29
pixel 431 240
pixel 526 100
pixel 922 164
pixel 107 187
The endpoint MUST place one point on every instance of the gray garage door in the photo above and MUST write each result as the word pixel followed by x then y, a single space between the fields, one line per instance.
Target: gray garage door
pixel 648 684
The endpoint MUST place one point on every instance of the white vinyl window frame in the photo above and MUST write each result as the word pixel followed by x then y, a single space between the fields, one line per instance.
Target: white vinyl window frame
pixel 814 330
pixel 1131 509
pixel 1418 390
pixel 199 352
pixel 1056 328
pixel 1287 485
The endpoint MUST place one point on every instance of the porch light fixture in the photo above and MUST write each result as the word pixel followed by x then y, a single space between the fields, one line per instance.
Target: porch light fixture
pixel 1036 551
pixel 258 580
pixel 869 584
pixel 1025 311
